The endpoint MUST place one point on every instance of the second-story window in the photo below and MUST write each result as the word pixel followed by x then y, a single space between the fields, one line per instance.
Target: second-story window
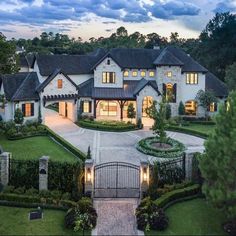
pixel 135 73
pixel 151 73
pixel 108 62
pixel 169 74
pixel 108 77
pixel 126 73
pixel 143 73
pixel 59 83
pixel 192 78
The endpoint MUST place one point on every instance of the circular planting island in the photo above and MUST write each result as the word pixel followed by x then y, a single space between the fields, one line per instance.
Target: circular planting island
pixel 169 149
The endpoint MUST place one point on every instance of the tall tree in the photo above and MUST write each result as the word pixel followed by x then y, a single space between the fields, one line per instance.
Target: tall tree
pixel 218 164
pixel 230 76
pixel 131 111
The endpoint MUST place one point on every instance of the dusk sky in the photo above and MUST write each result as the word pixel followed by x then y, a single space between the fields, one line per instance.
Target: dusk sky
pixel 95 18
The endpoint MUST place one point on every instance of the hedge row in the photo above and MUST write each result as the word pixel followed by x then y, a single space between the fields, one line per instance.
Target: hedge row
pixel 174 195
pixel 11 198
pixel 188 131
pixel 206 122
pixel 105 127
pixel 67 145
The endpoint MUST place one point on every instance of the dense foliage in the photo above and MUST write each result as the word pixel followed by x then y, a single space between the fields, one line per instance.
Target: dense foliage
pixel 131 111
pixel 230 76
pixel 218 163
pixel 18 117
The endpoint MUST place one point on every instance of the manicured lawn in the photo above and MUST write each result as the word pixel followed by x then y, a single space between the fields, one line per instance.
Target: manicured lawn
pixel 35 147
pixel 202 128
pixel 194 217
pixel 14 221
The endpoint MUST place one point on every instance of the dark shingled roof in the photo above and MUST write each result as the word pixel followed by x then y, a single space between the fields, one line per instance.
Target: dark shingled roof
pixel 70 64
pixel 217 86
pixel 129 91
pixel 51 77
pixel 166 58
pixel 21 86
pixel 23 61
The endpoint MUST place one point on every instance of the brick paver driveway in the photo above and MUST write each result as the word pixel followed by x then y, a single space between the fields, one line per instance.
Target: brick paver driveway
pixel 110 146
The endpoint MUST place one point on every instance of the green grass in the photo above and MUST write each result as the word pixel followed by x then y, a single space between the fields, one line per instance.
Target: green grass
pixel 193 217
pixel 207 129
pixel 35 147
pixel 14 221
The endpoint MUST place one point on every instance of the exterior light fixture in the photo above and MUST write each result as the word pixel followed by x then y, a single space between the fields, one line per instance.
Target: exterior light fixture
pixel 145 178
pixel 89 175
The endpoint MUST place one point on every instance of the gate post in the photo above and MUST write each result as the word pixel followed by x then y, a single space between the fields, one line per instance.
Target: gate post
pixel 5 159
pixel 144 177
pixel 43 173
pixel 89 177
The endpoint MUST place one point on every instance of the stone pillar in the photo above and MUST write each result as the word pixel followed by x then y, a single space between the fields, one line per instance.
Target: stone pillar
pixel 89 177
pixel 188 165
pixel 5 159
pixel 43 173
pixel 144 177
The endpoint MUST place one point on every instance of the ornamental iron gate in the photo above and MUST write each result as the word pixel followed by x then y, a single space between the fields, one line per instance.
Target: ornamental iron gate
pixel 116 180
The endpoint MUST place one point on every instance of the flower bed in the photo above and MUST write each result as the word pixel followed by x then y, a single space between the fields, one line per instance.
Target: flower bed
pixel 117 126
pixel 175 150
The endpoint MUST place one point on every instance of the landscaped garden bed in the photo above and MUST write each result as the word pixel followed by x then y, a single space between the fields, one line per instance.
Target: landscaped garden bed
pixel 108 125
pixel 168 149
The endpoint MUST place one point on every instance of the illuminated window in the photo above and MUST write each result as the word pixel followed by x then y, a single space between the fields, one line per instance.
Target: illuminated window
pixel 86 106
pixel 192 78
pixel 169 92
pixel 126 73
pixel 135 73
pixel 213 107
pixel 108 108
pixel 108 77
pixel 28 109
pixel 151 73
pixel 147 102
pixel 59 83
pixel 169 74
pixel 143 73
pixel 190 108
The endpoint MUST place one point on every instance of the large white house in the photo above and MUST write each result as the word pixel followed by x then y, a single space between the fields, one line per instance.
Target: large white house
pixel 102 84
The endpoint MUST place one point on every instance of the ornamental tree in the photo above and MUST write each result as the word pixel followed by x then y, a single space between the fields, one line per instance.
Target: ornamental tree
pixel 218 164
pixel 181 109
pixel 18 117
pixel 131 111
pixel 159 117
pixel 168 111
pixel 205 98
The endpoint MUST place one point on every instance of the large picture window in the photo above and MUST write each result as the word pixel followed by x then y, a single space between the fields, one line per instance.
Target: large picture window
pixel 192 78
pixel 147 102
pixel 191 108
pixel 108 77
pixel 169 91
pixel 108 108
pixel 87 106
pixel 28 109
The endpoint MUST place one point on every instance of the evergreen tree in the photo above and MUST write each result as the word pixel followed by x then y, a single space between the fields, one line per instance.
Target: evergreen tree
pixel 89 156
pixel 230 76
pixel 18 117
pixel 218 164
pixel 168 111
pixel 40 116
pixel 131 111
pixel 181 109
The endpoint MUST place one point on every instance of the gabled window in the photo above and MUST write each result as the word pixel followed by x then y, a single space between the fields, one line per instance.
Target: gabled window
pixel 126 73
pixel 108 77
pixel 28 109
pixel 169 74
pixel 59 83
pixel 192 78
pixel 143 73
pixel 151 73
pixel 135 73
pixel 169 91
pixel 108 61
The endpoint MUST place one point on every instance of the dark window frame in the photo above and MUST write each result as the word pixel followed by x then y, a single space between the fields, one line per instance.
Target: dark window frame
pixel 108 77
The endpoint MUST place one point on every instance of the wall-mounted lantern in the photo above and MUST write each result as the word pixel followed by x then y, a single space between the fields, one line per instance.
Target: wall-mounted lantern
pixel 145 177
pixel 88 175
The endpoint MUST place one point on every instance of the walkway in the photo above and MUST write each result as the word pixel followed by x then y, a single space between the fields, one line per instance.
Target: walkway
pixel 111 146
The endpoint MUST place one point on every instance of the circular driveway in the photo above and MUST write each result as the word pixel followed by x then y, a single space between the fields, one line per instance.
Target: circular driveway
pixel 112 146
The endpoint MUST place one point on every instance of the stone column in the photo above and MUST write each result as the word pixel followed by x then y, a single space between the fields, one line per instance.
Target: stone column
pixel 43 173
pixel 144 177
pixel 5 159
pixel 89 177
pixel 188 165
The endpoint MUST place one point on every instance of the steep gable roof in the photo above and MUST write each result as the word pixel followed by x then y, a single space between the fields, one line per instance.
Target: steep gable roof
pixel 51 77
pixel 216 85
pixel 21 86
pixel 166 58
pixel 143 83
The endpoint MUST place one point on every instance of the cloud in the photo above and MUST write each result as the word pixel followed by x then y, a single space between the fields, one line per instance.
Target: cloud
pixel 109 22
pixel 226 6
pixel 7 30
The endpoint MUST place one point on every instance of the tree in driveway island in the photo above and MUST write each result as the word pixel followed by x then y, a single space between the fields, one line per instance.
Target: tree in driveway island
pixel 159 117
pixel 218 164
pixel 131 111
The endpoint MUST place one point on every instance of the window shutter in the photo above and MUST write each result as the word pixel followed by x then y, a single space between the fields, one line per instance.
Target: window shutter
pixel 215 106
pixel 164 90
pixel 23 109
pixel 174 92
pixel 82 106
pixel 32 109
pixel 90 106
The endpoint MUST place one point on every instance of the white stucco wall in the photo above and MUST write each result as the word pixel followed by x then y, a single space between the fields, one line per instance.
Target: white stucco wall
pixel 103 67
pixel 139 77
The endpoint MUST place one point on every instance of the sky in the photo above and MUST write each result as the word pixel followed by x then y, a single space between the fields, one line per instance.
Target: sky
pixel 96 18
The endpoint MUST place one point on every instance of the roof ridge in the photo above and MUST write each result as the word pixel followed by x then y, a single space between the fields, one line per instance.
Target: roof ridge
pixel 21 86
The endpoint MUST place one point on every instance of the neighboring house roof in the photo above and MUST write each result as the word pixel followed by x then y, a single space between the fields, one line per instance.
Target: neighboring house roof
pixel 51 77
pixel 70 64
pixel 129 91
pixel 30 57
pixel 23 61
pixel 217 86
pixel 166 58
pixel 21 86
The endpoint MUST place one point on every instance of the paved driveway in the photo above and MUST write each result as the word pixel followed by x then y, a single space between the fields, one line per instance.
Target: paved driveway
pixel 111 146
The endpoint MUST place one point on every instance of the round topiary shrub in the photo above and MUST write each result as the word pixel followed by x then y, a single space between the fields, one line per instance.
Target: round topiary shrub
pixel 169 149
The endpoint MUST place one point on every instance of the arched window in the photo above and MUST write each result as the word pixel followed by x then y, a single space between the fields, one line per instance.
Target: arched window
pixel 191 108
pixel 147 102
pixel 169 91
